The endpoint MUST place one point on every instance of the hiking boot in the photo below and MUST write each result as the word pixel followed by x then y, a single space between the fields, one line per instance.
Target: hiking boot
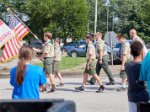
pixel 102 88
pixel 110 83
pixel 121 89
pixel 79 89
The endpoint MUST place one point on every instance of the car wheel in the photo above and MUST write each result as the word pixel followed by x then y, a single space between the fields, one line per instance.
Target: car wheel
pixel 74 54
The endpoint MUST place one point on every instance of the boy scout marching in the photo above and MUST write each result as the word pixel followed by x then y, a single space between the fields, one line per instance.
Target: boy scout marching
pixel 102 60
pixel 125 58
pixel 52 56
pixel 48 58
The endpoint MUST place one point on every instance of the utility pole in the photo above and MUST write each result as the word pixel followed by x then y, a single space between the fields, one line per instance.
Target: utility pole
pixel 95 25
pixel 107 15
pixel 113 22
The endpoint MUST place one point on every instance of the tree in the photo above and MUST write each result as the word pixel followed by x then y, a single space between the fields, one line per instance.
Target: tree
pixel 127 14
pixel 65 18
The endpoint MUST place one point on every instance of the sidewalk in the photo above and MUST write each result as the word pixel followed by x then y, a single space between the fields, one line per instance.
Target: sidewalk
pixel 89 101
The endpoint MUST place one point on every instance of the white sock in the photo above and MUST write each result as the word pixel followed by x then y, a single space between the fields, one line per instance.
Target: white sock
pixel 124 85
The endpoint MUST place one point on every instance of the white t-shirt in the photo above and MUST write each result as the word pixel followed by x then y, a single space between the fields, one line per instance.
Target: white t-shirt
pixel 137 38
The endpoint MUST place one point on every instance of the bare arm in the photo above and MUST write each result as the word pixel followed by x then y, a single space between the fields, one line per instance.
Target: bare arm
pixel 100 54
pixel 43 55
pixel 123 61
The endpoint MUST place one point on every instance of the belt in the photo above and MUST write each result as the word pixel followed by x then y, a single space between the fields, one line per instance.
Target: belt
pixel 48 57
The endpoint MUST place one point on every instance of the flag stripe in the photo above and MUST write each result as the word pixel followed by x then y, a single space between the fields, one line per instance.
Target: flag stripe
pixel 12 47
pixel 9 47
pixel 22 33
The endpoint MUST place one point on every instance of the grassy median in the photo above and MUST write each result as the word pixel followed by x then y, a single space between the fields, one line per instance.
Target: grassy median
pixel 69 62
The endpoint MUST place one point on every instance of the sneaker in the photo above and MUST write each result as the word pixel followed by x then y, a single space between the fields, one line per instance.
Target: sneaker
pixel 79 89
pixel 60 84
pixel 51 91
pixel 101 89
pixel 110 83
pixel 121 89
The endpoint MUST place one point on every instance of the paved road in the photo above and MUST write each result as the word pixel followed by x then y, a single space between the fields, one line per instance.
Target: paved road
pixel 89 101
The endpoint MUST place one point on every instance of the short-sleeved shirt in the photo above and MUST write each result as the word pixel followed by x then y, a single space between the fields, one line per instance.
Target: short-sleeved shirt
pixel 90 51
pixel 145 70
pixel 137 38
pixel 57 53
pixel 125 50
pixel 136 89
pixel 29 89
pixel 100 46
pixel 49 49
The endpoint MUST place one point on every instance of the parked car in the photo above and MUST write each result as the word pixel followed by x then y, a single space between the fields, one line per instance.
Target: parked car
pixel 37 45
pixel 68 46
pixel 79 50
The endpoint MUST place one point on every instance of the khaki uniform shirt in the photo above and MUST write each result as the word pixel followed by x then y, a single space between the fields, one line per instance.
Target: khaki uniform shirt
pixel 90 51
pixel 100 46
pixel 57 53
pixel 49 50
pixel 126 51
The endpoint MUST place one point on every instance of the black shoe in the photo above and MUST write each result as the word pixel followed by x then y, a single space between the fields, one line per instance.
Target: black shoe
pixel 102 88
pixel 51 91
pixel 121 89
pixel 60 84
pixel 110 83
pixel 79 89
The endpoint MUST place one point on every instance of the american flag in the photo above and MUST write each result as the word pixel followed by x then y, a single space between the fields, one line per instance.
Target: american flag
pixel 11 48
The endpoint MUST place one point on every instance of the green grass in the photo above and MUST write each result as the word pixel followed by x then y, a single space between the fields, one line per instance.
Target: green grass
pixel 69 62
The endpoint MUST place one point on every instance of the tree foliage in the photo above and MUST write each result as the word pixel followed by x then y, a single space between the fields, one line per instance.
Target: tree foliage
pixel 72 18
pixel 64 18
pixel 127 14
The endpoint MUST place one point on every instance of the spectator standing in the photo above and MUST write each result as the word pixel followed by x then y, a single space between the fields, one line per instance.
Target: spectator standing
pixel 26 78
pixel 136 89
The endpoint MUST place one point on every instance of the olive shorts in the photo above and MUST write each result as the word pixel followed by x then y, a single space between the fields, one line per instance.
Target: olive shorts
pixel 56 67
pixel 48 65
pixel 91 70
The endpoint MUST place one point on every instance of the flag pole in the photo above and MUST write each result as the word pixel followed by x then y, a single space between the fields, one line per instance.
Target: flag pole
pixel 8 9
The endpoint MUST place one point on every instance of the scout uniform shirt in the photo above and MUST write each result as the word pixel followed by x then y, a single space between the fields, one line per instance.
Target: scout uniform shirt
pixel 126 50
pixel 90 51
pixel 100 46
pixel 57 53
pixel 49 50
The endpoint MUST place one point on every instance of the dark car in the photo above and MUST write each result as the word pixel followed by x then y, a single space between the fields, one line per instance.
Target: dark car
pixel 37 45
pixel 68 46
